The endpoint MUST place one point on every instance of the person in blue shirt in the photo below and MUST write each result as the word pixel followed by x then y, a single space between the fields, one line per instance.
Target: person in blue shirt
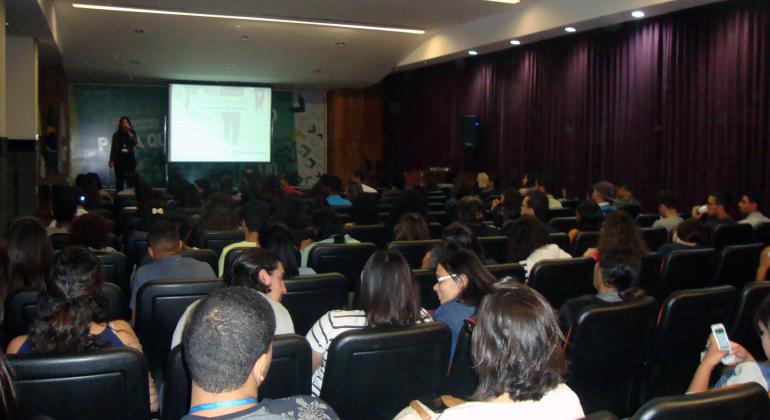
pixel 604 194
pixel 461 283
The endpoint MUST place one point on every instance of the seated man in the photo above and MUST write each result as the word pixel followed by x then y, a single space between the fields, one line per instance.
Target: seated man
pixel 228 349
pixel 624 197
pixel 470 211
pixel 164 248
pixel 603 193
pixel 750 207
pixel 357 177
pixel 543 184
pixel 667 208
pixel 535 203
pixel 252 221
pixel 716 210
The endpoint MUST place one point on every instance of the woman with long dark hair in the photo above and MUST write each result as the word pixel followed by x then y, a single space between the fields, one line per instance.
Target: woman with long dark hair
pixel 30 256
pixel 387 298
pixel 122 157
pixel 71 315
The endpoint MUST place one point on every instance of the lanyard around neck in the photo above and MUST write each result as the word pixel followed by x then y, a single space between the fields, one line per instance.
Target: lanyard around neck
pixel 222 404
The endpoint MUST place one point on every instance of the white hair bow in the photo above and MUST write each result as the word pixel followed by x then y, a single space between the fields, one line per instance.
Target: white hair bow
pixel 157 211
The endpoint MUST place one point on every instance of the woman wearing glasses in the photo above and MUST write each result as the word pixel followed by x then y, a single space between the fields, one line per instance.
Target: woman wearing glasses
pixel 462 281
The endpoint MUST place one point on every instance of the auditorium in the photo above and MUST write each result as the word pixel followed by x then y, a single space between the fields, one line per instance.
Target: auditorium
pixel 385 209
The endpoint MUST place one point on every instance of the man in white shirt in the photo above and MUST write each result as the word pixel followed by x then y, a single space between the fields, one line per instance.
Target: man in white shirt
pixel 667 208
pixel 357 177
pixel 749 206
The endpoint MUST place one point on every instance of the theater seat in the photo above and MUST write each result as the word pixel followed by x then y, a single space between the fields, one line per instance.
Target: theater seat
pixel 762 233
pixel 21 309
pixel 686 269
pixel 582 242
pixel 374 373
pixel 289 375
pixel 649 276
pixel 514 270
pixel 159 305
pixel 438 217
pixel 746 402
pixel 309 297
pixel 606 348
pixel 116 269
pixel 563 224
pixel 108 383
pixel 206 255
pixel 743 330
pixel 738 264
pixel 562 212
pixel 216 240
pixel 425 280
pixel 654 237
pixel 561 280
pixel 496 247
pixel 683 327
pixel 561 239
pixel 348 259
pixel 413 251
pixel 59 240
pixel 647 220
pixel 375 234
pixel 737 234
pixel 135 245
pixel 632 210
pixel 462 379
pixel 435 229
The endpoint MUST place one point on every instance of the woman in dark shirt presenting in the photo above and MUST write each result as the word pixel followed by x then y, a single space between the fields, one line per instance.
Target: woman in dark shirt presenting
pixel 122 157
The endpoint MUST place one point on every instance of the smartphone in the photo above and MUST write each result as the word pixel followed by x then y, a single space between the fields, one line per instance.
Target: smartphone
pixel 723 343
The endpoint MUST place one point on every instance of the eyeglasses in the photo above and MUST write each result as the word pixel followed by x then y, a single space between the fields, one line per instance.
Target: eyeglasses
pixel 447 277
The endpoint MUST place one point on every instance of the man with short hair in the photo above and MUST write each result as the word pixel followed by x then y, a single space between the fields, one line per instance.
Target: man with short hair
pixel 252 220
pixel 470 211
pixel 228 350
pixel 624 197
pixel 543 184
pixel 164 248
pixel 716 210
pixel 603 193
pixel 357 177
pixel 535 203
pixel 667 208
pixel 750 207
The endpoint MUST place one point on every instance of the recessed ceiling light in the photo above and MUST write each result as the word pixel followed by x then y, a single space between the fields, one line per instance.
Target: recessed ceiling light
pixel 244 37
pixel 316 70
pixel 570 29
pixel 473 52
pixel 138 31
pixel 637 14
pixel 340 44
pixel 515 42
pixel 134 61
pixel 251 18
pixel 230 66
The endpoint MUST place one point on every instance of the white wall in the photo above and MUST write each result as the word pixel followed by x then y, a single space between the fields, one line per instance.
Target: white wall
pixel 21 93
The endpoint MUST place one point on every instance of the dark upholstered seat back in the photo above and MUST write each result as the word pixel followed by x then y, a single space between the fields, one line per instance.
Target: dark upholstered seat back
pixel 309 297
pixel 348 259
pixel 738 264
pixel 746 402
pixel 413 251
pixel 216 240
pixel 561 280
pixel 686 269
pixel 743 330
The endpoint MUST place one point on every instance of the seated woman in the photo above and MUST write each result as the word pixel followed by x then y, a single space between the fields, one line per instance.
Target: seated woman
pixel 618 228
pixel 744 367
pixel 411 227
pixel 506 209
pixel 277 238
pixel 92 231
pixel 387 298
pixel 30 256
pixel 255 268
pixel 516 347
pixel 455 236
pixel 71 316
pixel 589 218
pixel 528 244
pixel 461 282
pixel 690 234
pixel 327 229
pixel 616 276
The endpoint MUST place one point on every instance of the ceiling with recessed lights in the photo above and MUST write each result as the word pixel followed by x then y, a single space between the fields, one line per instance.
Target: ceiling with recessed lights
pixel 125 46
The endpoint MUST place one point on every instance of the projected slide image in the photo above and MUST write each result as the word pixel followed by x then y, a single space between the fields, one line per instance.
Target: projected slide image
pixel 219 123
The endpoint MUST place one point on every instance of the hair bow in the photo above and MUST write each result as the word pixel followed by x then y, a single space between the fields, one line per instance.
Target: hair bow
pixel 157 211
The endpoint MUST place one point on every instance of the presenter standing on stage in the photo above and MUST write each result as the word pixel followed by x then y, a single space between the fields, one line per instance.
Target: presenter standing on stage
pixel 122 157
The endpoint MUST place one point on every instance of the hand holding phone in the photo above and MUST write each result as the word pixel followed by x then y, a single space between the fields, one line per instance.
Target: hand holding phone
pixel 723 343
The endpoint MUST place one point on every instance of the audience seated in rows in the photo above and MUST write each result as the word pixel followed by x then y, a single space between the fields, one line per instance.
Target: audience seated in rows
pixel 218 213
pixel 667 203
pixel 744 367
pixel 517 349
pixel 364 209
pixel 454 237
pixel 357 177
pixel 542 183
pixel 71 315
pixel 64 211
pixel 184 226
pixel 716 210
pixel 588 216
pixel 409 201
pixel 387 299
pixel 603 193
pixel 411 227
pixel 327 229
pixel 506 208
pixel 528 243
pixel 616 277
pixel 93 232
pixel 750 207
pixel 228 350
pixel 257 269
pixel 535 203
pixel 277 238
pixel 252 221
pixel 470 212
pixel 461 282
pixel 690 234
pixel 618 228
pixel 164 247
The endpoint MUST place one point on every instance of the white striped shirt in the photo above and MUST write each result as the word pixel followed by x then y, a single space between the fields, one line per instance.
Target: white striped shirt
pixel 332 324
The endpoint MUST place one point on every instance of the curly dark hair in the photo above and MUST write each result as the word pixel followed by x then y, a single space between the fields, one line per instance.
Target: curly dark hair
pixel 69 301
pixel 516 345
pixel 620 229
pixel 527 234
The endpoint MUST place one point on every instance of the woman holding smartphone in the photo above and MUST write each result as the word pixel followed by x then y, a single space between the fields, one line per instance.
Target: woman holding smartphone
pixel 122 157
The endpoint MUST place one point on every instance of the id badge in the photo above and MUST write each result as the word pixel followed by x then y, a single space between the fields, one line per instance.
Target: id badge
pixel 124 150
